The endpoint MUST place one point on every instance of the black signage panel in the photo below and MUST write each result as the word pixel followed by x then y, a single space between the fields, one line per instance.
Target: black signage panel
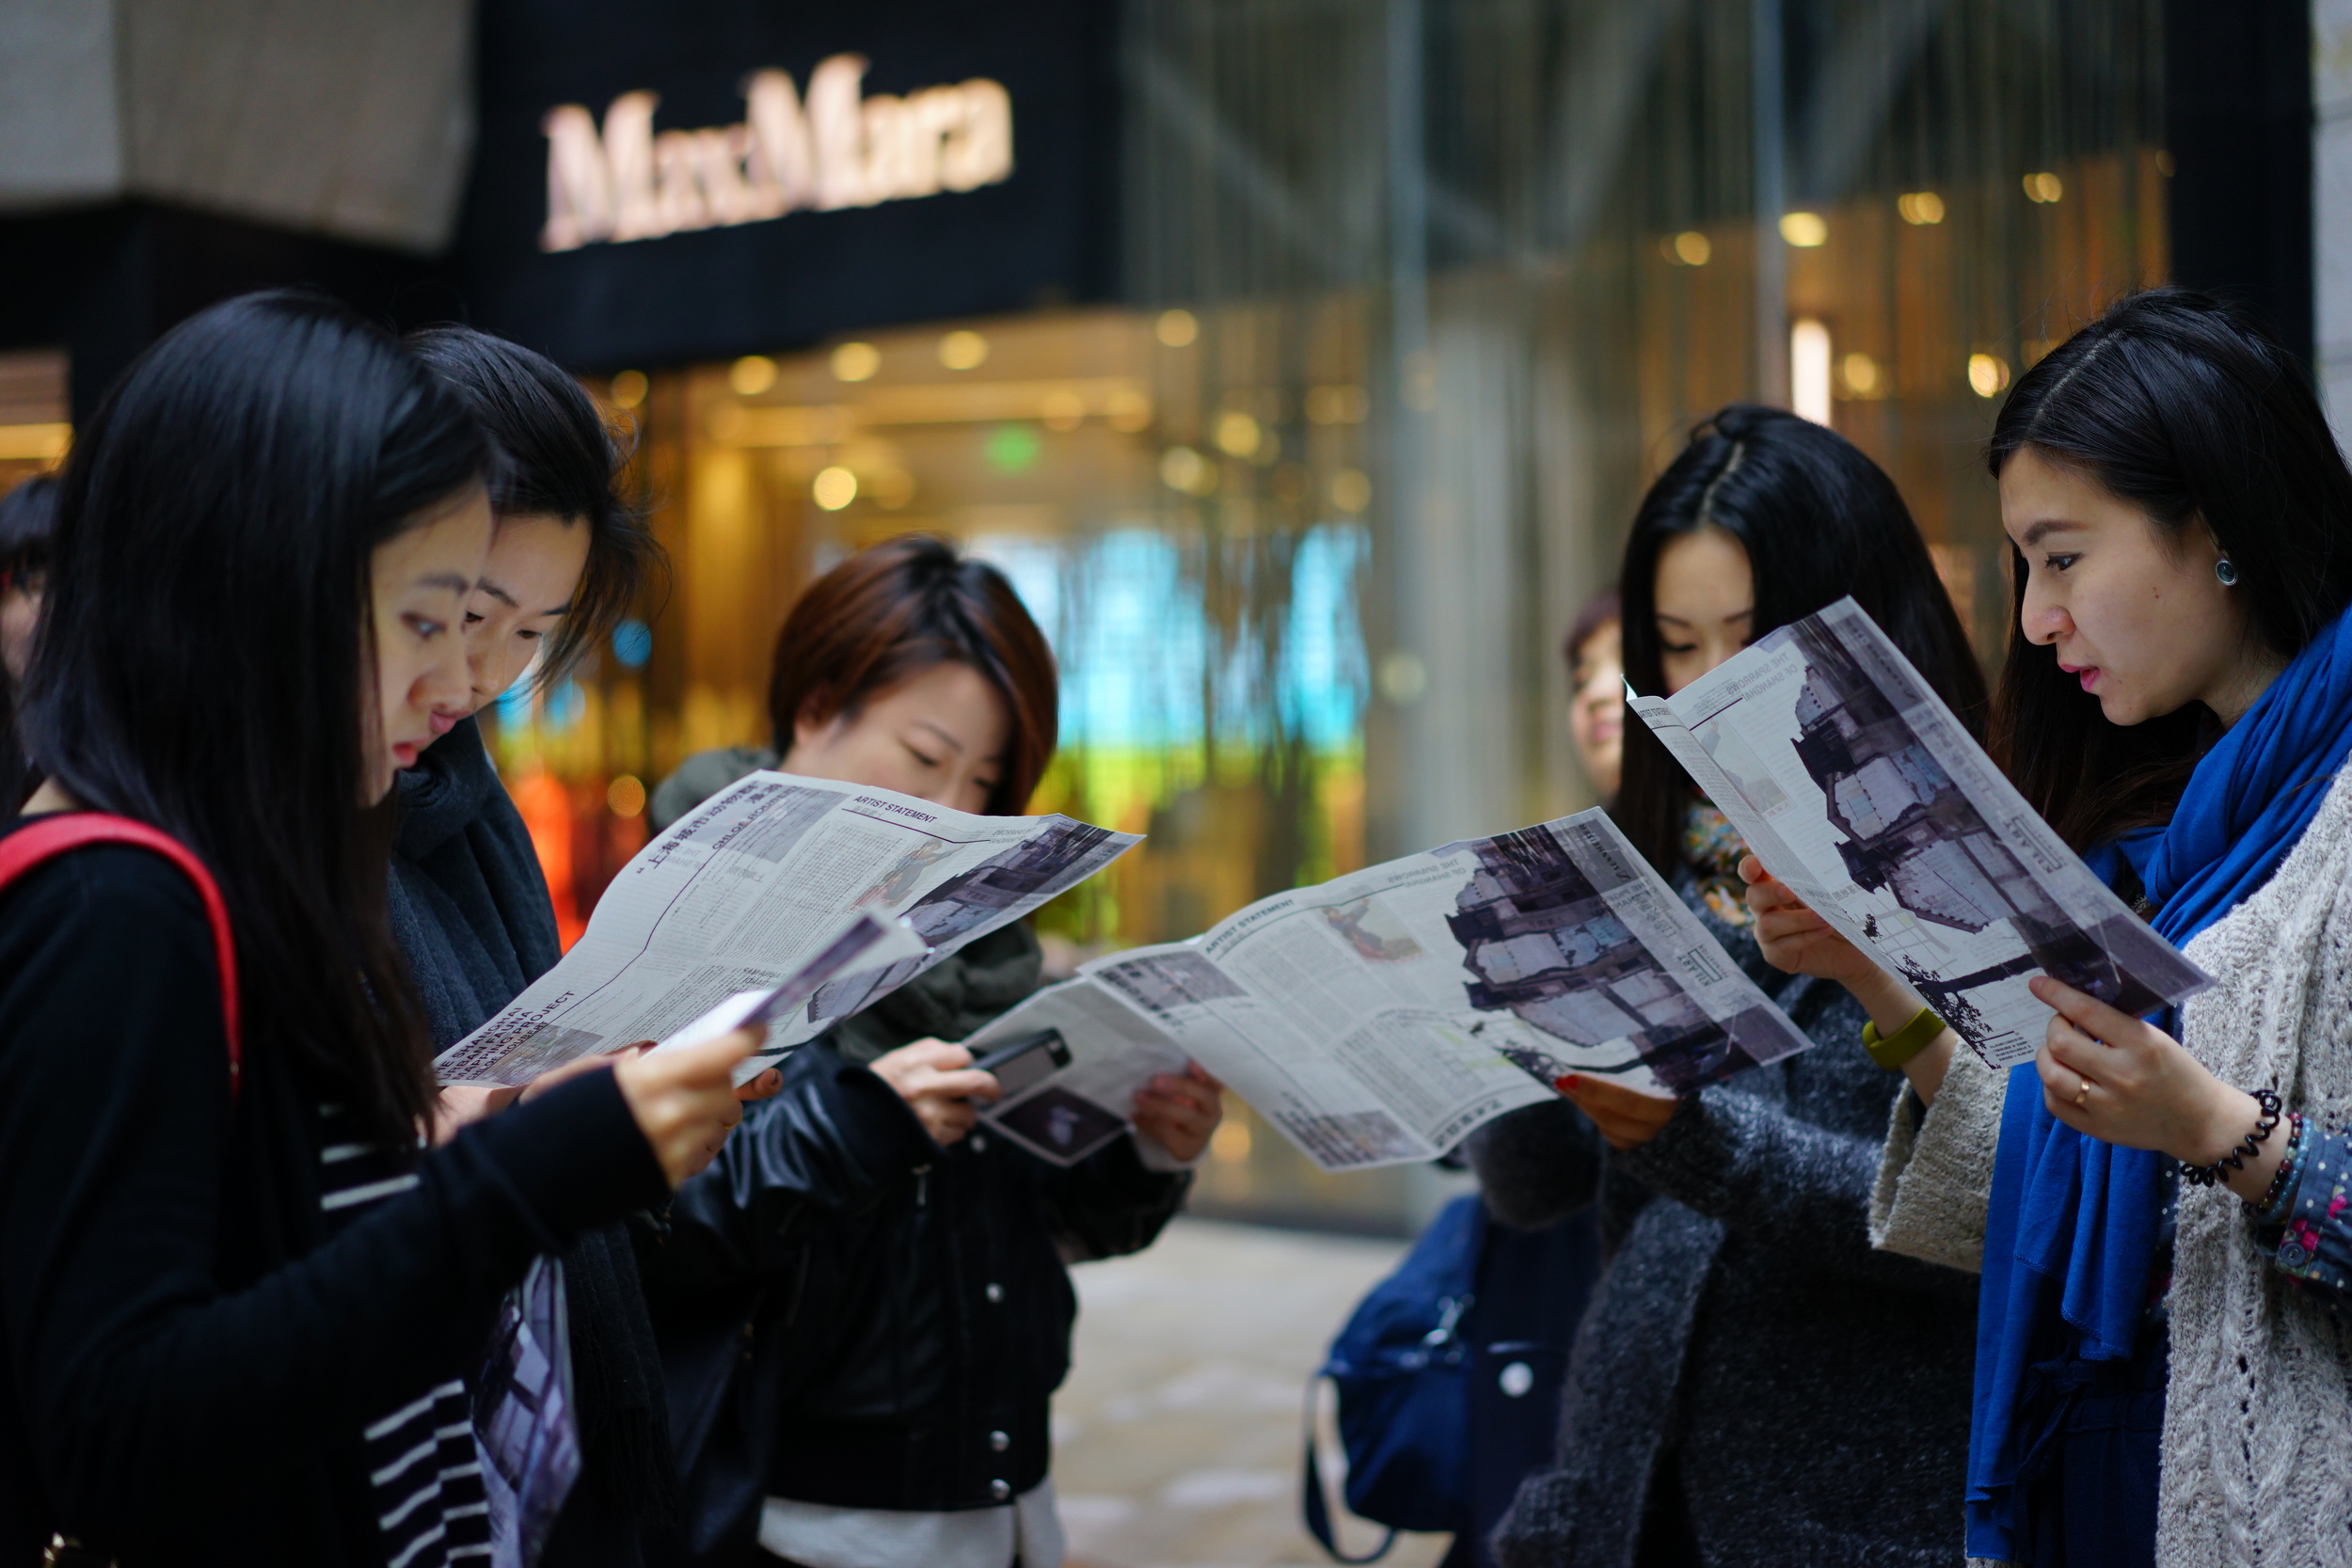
pixel 700 179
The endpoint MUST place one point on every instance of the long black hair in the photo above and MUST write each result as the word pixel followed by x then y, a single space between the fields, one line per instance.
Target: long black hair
pixel 557 457
pixel 28 517
pixel 207 647
pixel 2175 402
pixel 1819 520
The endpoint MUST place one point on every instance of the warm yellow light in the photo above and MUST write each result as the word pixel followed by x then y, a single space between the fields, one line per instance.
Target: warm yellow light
pixel 1920 207
pixel 1176 328
pixel 1804 230
pixel 1337 405
pixel 1236 433
pixel 1129 410
pixel 1988 374
pixel 1861 373
pixel 1230 1142
pixel 751 374
pixel 1062 409
pixel 1183 469
pixel 1351 491
pixel 1693 248
pixel 627 389
pixel 892 488
pixel 625 795
pixel 834 488
pixel 963 351
pixel 2044 187
pixel 1808 371
pixel 856 362
pixel 41 443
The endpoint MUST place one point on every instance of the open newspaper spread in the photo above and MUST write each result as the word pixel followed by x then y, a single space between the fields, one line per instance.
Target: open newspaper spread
pixel 1382 1017
pixel 1856 786
pixel 754 883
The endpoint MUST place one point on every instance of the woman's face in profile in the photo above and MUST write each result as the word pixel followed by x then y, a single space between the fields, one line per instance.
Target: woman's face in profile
pixel 1705 603
pixel 940 736
pixel 1596 705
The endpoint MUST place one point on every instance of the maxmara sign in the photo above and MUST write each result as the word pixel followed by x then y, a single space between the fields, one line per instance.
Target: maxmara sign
pixel 836 148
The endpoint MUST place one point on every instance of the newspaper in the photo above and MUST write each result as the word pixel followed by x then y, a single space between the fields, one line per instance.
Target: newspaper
pixel 1382 1017
pixel 754 885
pixel 1857 788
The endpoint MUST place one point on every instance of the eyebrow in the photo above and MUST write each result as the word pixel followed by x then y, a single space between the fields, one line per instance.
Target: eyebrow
pixel 507 599
pixel 1746 614
pixel 2036 533
pixel 450 580
pixel 951 742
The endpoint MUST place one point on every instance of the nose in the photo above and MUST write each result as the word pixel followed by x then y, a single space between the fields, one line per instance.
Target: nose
pixel 446 681
pixel 2040 617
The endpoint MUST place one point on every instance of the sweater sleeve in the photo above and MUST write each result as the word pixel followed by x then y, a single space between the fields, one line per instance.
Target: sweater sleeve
pixel 1935 1172
pixel 164 1393
pixel 1772 1176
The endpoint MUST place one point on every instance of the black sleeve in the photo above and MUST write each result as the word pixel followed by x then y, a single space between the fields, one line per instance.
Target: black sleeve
pixel 161 1394
pixel 1538 1165
pixel 1111 1203
pixel 833 1139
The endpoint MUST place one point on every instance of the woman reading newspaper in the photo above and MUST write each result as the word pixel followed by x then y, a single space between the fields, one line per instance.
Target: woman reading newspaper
pixel 1752 1382
pixel 899 1274
pixel 2177 701
pixel 237 1303
pixel 470 911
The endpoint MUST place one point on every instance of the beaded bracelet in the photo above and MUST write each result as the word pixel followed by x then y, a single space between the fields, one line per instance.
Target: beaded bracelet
pixel 2290 1160
pixel 2205 1175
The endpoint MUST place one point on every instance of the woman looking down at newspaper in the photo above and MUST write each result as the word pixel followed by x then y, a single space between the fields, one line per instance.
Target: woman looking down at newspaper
pixel 899 1274
pixel 237 1303
pixel 1745 1303
pixel 2177 701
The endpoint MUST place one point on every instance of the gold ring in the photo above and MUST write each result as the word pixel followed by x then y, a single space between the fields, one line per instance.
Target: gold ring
pixel 2082 1095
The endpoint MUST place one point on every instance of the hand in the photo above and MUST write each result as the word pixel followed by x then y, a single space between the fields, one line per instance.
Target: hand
pixel 1794 938
pixel 1627 1117
pixel 2124 1080
pixel 459 1104
pixel 684 1100
pixel 939 1084
pixel 1178 1111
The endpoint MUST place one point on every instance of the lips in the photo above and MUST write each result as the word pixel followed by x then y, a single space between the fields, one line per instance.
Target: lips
pixel 443 723
pixel 404 754
pixel 2087 674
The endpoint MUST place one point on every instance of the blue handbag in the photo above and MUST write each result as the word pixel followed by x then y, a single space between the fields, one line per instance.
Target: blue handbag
pixel 1401 1366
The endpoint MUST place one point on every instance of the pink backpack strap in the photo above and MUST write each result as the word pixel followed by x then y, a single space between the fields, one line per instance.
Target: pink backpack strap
pixel 45 840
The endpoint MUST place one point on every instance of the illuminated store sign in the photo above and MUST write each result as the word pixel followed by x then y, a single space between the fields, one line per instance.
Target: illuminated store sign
pixel 833 149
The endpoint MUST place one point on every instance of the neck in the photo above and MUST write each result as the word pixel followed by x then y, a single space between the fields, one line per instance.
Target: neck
pixel 51 795
pixel 2242 686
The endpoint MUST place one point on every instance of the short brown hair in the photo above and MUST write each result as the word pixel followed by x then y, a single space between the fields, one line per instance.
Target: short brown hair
pixel 892 612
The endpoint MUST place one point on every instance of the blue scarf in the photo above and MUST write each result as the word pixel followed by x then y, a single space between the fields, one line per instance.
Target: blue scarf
pixel 2072 1230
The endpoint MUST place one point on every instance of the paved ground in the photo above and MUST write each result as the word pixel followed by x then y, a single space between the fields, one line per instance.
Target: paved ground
pixel 1177 1436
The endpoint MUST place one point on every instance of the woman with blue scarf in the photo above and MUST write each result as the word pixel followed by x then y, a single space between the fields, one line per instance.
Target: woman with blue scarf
pixel 2166 1224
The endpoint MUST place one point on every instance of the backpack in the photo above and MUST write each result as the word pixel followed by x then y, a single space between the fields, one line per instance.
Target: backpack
pixel 38 843
pixel 1401 1366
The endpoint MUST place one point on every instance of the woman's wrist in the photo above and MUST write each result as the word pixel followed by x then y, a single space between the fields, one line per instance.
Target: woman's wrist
pixel 2231 1117
pixel 1890 1004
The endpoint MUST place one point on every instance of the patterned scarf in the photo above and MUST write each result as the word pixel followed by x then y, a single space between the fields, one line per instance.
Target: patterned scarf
pixel 1713 849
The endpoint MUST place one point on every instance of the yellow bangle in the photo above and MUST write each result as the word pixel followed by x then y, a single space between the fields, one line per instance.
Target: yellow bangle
pixel 1892 1050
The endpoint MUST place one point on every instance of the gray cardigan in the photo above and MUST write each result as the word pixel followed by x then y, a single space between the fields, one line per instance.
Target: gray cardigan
pixel 1751 1373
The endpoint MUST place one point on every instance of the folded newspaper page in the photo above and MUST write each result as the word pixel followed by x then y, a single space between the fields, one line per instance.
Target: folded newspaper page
pixel 1384 1016
pixel 1856 786
pixel 864 942
pixel 750 886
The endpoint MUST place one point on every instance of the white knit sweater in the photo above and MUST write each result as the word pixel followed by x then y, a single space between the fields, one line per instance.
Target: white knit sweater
pixel 2258 1410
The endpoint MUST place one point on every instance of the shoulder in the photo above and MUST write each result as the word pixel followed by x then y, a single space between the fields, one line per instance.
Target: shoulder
pixel 702 775
pixel 116 890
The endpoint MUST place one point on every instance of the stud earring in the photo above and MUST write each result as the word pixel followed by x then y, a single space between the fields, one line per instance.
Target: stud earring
pixel 2226 570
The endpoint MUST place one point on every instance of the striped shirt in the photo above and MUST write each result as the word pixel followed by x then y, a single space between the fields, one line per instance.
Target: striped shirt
pixel 421 1460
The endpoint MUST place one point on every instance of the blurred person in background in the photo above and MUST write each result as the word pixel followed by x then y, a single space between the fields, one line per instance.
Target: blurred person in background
pixel 1595 649
pixel 238 1303
pixel 27 513
pixel 898 1274
pixel 1752 1384
pixel 469 907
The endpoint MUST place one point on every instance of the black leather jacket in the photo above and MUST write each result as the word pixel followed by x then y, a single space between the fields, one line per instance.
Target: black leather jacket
pixel 855 1316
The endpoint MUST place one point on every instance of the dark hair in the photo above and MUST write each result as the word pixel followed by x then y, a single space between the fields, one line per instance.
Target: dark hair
pixel 890 612
pixel 2175 402
pixel 1602 609
pixel 28 515
pixel 1819 520
pixel 207 636
pixel 557 456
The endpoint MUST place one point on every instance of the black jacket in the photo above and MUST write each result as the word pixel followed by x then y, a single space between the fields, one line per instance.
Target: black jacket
pixel 1753 1382
pixel 471 912
pixel 909 1311
pixel 189 1359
